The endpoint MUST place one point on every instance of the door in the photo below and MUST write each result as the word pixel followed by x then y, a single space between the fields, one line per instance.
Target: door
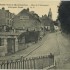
pixel 11 45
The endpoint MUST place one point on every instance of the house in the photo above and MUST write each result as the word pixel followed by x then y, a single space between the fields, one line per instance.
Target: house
pixel 26 19
pixel 6 19
pixel 9 43
pixel 47 23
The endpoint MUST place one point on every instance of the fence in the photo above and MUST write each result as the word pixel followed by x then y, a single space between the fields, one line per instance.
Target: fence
pixel 31 63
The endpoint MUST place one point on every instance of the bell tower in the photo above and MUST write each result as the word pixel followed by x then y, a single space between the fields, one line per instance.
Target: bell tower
pixel 51 21
pixel 50 14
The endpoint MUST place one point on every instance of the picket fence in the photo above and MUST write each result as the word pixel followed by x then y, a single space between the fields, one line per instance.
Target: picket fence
pixel 28 63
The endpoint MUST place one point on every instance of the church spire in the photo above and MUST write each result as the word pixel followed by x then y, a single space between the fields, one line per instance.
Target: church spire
pixel 50 14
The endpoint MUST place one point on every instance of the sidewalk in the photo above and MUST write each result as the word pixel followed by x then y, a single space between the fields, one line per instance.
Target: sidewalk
pixel 63 60
pixel 26 52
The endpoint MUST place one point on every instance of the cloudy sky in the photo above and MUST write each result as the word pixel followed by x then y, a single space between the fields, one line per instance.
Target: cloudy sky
pixel 40 7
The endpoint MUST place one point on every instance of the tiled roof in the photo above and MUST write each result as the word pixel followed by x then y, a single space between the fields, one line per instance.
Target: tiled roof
pixel 31 15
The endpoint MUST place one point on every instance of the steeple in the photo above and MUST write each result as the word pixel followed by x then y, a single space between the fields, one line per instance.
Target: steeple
pixel 50 14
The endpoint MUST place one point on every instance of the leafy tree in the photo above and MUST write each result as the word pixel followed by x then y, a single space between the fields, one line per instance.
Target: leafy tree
pixel 64 16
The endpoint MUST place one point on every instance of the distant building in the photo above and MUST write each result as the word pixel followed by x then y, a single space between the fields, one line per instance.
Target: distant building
pixel 47 22
pixel 27 20
pixel 6 19
pixel 59 25
pixel 51 21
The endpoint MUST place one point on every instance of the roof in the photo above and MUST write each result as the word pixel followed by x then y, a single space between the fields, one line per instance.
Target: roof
pixel 31 15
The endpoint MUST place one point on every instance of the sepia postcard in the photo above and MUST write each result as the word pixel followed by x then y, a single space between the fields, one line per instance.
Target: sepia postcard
pixel 35 34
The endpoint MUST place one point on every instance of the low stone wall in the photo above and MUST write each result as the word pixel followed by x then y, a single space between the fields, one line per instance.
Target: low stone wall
pixel 22 47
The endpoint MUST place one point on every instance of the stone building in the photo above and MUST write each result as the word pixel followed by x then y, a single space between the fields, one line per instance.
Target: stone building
pixel 45 21
pixel 8 43
pixel 27 20
pixel 45 26
pixel 23 21
pixel 6 19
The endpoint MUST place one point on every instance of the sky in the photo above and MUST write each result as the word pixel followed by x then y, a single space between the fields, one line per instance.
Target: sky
pixel 40 7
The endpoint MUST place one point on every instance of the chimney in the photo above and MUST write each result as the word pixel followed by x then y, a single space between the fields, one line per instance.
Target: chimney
pixel 3 8
pixel 27 9
pixel 7 10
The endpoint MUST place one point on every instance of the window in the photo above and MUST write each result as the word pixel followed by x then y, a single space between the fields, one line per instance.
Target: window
pixel 24 17
pixel 7 21
pixel 1 41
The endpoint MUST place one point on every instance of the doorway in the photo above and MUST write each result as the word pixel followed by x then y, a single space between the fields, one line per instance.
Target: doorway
pixel 11 45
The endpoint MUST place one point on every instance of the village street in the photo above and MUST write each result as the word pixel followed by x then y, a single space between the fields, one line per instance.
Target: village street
pixel 58 45
pixel 54 43
pixel 49 46
pixel 32 47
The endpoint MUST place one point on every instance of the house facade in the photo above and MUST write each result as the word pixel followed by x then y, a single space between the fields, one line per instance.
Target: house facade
pixel 6 19
pixel 8 43
pixel 27 20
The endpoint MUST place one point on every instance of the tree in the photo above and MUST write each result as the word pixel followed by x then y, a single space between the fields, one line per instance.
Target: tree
pixel 64 16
